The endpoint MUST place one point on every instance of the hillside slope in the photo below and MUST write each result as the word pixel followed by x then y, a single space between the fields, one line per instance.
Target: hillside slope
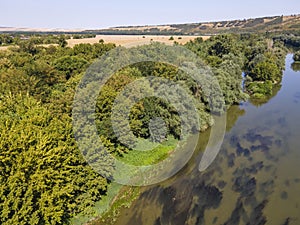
pixel 265 24
pixel 290 24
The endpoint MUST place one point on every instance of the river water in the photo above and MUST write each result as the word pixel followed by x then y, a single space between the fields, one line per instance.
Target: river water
pixel 254 180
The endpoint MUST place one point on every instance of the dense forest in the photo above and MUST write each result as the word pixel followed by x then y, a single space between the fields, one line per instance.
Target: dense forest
pixel 44 178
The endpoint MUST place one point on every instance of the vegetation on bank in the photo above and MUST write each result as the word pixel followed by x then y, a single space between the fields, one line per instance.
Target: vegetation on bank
pixel 122 199
pixel 261 59
pixel 44 178
pixel 296 56
pixel 289 40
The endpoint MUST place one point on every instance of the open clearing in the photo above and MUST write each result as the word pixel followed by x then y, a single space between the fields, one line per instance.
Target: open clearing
pixel 127 40
pixel 4 47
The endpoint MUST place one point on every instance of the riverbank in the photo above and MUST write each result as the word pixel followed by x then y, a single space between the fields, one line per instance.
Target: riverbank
pixel 124 212
pixel 256 170
pixel 118 197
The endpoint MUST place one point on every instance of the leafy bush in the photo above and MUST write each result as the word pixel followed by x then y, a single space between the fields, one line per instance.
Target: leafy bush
pixel 266 71
pixel 296 56
pixel 260 89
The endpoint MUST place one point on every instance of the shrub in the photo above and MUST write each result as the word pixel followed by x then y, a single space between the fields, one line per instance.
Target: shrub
pixel 297 56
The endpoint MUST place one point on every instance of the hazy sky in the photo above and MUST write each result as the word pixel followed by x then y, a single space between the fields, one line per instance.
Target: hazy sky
pixel 108 13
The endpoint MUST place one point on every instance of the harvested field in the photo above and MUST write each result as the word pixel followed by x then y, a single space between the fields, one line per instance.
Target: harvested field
pixel 127 40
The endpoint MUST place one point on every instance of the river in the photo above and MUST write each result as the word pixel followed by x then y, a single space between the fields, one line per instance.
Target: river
pixel 254 180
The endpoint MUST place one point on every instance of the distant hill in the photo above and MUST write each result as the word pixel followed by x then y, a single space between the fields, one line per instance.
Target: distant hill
pixel 38 30
pixel 265 24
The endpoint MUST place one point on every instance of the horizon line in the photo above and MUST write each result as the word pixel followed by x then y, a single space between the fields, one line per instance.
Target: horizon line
pixel 139 25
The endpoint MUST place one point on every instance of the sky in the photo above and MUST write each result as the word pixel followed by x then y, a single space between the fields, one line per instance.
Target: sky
pixel 90 14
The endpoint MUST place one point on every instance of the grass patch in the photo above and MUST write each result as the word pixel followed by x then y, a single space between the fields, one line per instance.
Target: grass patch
pixel 145 158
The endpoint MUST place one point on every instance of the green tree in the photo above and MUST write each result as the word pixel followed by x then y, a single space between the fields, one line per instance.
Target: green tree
pixel 43 178
pixel 266 71
pixel 296 56
pixel 70 65
pixel 222 45
pixel 62 41
pixel 28 46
